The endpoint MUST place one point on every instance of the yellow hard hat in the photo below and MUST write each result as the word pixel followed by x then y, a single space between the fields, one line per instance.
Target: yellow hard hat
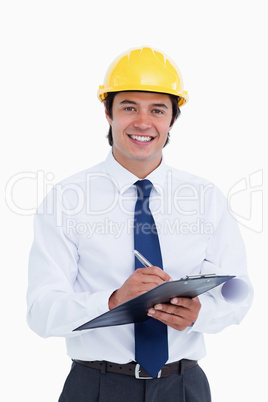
pixel 143 69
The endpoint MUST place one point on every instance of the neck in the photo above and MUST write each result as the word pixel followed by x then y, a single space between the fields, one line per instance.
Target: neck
pixel 140 168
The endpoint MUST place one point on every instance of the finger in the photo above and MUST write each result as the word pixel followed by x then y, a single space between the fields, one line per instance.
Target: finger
pixel 155 271
pixel 172 320
pixel 152 280
pixel 185 302
pixel 170 309
pixel 164 311
pixel 139 280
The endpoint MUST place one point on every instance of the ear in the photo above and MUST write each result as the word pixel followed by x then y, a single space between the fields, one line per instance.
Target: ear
pixel 107 114
pixel 170 127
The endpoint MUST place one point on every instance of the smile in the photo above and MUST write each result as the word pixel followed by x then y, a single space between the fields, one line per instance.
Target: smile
pixel 141 138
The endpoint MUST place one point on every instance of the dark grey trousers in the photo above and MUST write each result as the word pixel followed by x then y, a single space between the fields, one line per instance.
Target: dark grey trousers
pixel 85 384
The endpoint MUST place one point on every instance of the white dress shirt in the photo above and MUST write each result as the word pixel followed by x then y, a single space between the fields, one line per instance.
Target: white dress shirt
pixel 83 251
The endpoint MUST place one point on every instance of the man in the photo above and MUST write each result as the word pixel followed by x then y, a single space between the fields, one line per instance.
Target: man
pixel 82 262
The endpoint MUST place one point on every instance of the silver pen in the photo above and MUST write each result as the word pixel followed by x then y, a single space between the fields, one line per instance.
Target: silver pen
pixel 142 259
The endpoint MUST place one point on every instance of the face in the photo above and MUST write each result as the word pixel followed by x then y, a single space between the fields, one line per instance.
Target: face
pixel 140 125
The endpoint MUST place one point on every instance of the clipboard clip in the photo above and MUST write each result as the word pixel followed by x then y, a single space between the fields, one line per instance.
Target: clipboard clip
pixel 200 276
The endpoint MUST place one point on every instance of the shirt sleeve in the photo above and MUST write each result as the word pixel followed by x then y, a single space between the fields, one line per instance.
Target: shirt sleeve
pixel 225 255
pixel 53 306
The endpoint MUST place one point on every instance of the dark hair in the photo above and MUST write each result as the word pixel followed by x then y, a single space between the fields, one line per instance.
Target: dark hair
pixel 109 106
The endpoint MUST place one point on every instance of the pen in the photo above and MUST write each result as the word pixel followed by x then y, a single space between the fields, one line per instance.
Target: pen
pixel 142 259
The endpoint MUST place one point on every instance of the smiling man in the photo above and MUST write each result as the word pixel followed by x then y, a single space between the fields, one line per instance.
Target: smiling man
pixel 75 276
pixel 140 122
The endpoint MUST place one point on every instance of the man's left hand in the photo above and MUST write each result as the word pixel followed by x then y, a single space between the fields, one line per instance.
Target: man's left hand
pixel 179 314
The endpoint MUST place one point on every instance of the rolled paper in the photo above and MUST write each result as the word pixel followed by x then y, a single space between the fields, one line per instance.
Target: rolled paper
pixel 235 291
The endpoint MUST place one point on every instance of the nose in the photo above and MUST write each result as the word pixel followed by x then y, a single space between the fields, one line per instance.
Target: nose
pixel 142 121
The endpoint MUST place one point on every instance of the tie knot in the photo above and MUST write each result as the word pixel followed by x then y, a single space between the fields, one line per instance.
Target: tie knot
pixel 144 188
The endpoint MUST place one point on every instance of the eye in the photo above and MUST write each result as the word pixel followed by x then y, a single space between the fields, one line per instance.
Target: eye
pixel 129 109
pixel 157 111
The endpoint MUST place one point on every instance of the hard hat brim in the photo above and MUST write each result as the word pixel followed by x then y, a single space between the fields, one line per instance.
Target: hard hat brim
pixel 182 98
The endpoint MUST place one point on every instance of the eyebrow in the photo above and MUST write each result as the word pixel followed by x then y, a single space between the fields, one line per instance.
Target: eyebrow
pixel 126 101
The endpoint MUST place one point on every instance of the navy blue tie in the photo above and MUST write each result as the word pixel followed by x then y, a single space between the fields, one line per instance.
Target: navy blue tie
pixel 151 344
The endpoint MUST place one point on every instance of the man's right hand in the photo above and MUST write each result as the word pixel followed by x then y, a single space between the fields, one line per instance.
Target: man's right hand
pixel 141 281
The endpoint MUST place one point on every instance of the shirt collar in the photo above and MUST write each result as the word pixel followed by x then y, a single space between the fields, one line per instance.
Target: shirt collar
pixel 125 179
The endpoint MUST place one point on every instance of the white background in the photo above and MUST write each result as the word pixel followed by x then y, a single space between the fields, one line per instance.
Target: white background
pixel 54 54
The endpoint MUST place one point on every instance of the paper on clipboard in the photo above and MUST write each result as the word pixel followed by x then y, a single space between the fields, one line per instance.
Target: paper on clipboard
pixel 135 310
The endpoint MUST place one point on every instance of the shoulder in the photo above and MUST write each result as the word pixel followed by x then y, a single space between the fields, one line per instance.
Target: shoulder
pixel 70 191
pixel 181 176
pixel 80 178
pixel 191 187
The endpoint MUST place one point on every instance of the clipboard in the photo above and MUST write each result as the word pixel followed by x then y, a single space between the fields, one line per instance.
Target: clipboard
pixel 135 310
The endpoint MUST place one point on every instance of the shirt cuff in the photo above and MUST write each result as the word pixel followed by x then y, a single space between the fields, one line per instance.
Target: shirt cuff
pixel 101 302
pixel 206 314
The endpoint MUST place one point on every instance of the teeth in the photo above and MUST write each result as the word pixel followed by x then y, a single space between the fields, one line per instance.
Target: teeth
pixel 140 138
